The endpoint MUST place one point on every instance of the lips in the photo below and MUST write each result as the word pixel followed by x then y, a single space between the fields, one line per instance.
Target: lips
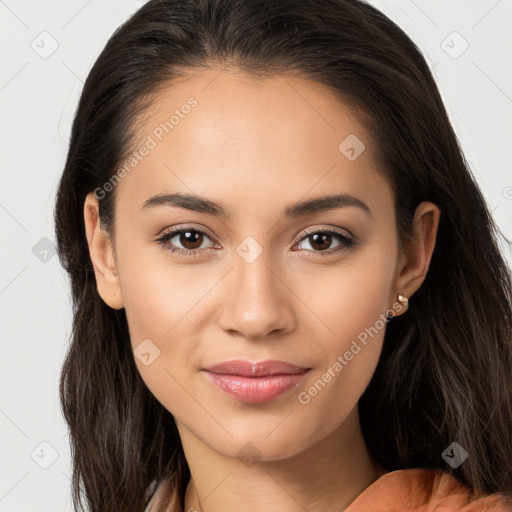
pixel 255 383
pixel 244 368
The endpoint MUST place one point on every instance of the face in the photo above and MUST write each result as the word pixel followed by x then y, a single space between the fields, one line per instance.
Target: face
pixel 262 280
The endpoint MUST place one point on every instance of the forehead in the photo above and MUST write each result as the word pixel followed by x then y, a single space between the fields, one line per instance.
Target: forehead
pixel 219 133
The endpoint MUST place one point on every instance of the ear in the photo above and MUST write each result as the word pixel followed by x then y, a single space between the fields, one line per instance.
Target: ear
pixel 415 260
pixel 102 255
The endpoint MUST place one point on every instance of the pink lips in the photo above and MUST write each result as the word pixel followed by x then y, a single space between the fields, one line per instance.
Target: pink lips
pixel 255 382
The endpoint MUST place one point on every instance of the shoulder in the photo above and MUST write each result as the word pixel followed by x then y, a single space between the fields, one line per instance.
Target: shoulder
pixel 421 490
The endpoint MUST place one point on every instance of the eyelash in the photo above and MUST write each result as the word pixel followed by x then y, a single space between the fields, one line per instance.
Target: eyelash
pixel 346 241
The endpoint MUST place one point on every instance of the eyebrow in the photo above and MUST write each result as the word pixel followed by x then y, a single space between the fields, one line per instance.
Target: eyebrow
pixel 203 205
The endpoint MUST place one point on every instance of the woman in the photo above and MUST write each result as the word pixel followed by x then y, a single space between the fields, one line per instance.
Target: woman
pixel 288 291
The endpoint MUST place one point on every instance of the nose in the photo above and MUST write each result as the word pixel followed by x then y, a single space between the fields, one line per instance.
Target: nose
pixel 256 300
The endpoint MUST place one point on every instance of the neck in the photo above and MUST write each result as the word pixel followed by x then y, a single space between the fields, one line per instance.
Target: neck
pixel 326 476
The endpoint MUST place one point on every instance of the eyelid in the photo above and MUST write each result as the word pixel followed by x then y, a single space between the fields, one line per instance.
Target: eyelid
pixel 342 232
pixel 186 227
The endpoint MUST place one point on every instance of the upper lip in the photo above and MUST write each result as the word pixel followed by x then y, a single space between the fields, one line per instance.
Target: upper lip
pixel 259 369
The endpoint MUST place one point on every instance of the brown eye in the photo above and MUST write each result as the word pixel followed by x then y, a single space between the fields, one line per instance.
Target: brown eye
pixel 321 241
pixel 190 240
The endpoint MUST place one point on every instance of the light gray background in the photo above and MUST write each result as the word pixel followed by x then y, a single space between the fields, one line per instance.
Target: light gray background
pixel 37 99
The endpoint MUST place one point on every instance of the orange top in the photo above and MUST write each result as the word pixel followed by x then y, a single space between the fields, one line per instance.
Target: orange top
pixel 424 490
pixel 404 490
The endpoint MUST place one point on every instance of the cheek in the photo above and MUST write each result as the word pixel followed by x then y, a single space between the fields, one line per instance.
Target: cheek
pixel 346 299
pixel 157 293
pixel 164 312
pixel 157 309
pixel 351 305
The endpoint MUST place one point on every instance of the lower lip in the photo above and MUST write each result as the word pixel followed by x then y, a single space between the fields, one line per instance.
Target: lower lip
pixel 255 390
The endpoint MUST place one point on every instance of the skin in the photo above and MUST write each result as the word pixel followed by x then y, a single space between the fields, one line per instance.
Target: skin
pixel 256 147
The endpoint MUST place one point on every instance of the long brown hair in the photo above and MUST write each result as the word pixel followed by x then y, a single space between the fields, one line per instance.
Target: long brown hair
pixel 445 373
